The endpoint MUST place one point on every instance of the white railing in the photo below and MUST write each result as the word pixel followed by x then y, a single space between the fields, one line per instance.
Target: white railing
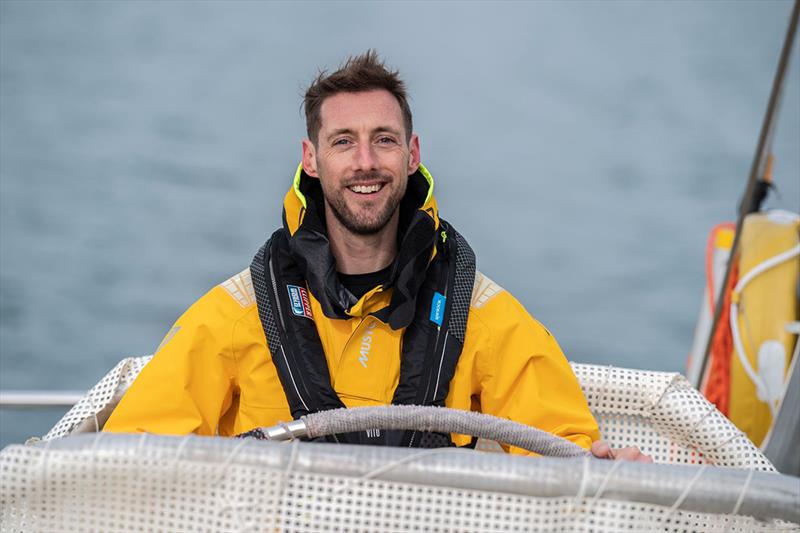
pixel 24 399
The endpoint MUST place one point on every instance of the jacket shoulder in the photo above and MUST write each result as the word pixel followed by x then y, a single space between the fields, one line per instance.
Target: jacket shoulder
pixel 224 305
pixel 217 312
pixel 498 310
pixel 483 290
pixel 240 288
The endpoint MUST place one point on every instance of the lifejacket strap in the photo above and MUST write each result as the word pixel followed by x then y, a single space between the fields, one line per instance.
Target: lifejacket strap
pixel 293 342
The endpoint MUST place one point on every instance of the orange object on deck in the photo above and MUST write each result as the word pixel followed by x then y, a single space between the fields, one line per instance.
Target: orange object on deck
pixel 718 384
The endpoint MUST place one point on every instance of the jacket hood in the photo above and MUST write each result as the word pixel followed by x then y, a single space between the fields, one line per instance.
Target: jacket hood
pixel 306 230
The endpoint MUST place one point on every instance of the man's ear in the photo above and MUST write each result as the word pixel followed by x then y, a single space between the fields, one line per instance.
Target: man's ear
pixel 309 158
pixel 413 154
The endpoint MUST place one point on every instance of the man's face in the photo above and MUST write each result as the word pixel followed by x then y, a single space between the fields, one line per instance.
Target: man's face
pixel 362 159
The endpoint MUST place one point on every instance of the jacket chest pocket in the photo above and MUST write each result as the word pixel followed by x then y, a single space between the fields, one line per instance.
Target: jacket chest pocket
pixel 369 366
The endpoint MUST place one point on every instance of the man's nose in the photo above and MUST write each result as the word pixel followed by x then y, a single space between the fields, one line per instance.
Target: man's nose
pixel 365 157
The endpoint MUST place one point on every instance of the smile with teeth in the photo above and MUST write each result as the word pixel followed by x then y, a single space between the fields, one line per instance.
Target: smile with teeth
pixel 366 189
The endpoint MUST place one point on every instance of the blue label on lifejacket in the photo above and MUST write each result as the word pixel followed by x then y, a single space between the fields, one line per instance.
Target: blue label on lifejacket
pixel 298 299
pixel 437 308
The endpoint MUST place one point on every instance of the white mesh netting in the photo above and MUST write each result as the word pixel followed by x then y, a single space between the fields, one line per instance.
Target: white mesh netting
pixel 95 408
pixel 658 411
pixel 666 417
pixel 106 482
pixel 102 482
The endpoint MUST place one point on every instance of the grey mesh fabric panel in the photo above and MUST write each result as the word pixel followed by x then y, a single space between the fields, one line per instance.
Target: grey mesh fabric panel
pixel 261 285
pixel 429 439
pixel 462 290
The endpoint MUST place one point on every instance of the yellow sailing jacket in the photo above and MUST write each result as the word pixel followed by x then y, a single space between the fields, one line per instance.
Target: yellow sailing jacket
pixel 213 373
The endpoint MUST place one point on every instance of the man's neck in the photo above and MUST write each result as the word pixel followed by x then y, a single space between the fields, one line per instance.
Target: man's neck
pixel 362 254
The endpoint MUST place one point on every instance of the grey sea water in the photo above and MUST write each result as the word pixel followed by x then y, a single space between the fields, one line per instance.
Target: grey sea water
pixel 584 148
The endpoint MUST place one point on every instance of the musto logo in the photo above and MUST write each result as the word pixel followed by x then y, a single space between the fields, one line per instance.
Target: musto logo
pixel 366 344
pixel 298 299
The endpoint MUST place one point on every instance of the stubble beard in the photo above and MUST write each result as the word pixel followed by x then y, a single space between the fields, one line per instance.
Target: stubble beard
pixel 365 223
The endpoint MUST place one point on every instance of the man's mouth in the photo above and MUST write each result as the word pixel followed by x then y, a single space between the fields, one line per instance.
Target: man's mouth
pixel 366 189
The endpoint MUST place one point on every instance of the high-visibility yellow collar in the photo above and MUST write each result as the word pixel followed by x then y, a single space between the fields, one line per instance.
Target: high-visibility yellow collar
pixel 295 203
pixel 304 223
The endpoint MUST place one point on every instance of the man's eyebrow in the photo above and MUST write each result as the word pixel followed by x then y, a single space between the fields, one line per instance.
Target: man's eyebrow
pixel 340 131
pixel 386 129
pixel 348 131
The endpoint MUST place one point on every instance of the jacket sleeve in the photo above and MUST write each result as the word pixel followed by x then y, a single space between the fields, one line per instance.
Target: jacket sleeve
pixel 188 385
pixel 525 377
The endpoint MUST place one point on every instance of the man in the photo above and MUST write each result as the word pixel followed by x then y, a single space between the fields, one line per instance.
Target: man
pixel 364 297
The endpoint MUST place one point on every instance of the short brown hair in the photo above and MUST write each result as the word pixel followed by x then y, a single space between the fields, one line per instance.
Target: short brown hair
pixel 365 72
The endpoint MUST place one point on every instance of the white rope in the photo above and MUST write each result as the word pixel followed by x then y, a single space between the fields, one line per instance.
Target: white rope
pixel 741 354
pixel 176 460
pixel 757 380
pixel 696 425
pixel 602 395
pixel 736 434
pixel 284 481
pixel 140 444
pixel 230 505
pixel 685 493
pixel 234 508
pixel 668 388
pixel 387 467
pixel 139 455
pixel 95 442
pixel 740 500
pixel 295 444
pixel 44 462
pixel 766 265
pixel 93 454
pixel 228 460
pixel 572 507
pixel 93 407
pixel 689 436
pixel 690 439
pixel 602 488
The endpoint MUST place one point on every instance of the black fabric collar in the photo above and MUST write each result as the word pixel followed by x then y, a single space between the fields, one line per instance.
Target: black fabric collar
pixel 361 284
pixel 310 248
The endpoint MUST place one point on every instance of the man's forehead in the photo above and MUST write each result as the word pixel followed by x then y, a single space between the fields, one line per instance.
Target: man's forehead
pixel 360 109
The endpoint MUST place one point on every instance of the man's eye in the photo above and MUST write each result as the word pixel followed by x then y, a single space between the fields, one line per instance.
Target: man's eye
pixel 341 142
pixel 386 140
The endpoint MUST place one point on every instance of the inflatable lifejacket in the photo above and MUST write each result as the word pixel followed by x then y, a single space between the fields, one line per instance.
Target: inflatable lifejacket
pixel 432 342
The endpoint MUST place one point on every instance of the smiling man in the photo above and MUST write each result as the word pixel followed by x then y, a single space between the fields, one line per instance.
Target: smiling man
pixel 365 296
pixel 362 151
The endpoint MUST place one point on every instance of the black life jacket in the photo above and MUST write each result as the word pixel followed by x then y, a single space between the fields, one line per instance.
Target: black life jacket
pixel 431 299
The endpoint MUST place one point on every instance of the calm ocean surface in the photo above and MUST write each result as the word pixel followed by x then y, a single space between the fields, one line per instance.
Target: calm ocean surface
pixel 584 149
